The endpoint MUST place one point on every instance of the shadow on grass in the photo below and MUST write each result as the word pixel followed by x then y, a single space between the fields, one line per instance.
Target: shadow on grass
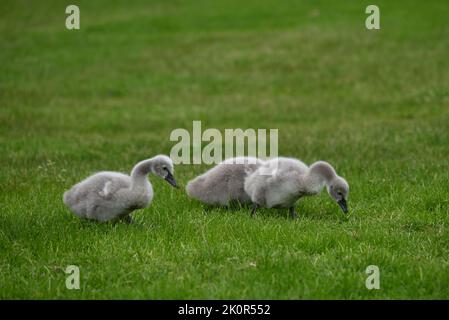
pixel 138 223
pixel 276 213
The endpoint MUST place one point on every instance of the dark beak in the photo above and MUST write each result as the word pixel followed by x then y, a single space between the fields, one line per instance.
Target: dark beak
pixel 170 179
pixel 343 205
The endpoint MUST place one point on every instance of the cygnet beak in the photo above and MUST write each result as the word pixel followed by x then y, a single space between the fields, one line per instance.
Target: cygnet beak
pixel 170 179
pixel 343 205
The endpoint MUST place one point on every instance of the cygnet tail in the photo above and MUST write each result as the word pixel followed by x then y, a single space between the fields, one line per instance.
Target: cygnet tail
pixel 196 188
pixel 68 198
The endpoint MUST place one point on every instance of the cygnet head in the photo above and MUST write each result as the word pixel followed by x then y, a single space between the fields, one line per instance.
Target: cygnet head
pixel 339 191
pixel 162 166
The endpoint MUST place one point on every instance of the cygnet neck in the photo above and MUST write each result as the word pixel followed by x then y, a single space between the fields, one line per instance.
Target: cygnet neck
pixel 320 174
pixel 324 171
pixel 140 173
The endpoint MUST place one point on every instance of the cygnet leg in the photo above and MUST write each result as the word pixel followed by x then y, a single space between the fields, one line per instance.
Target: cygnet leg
pixel 293 213
pixel 253 210
pixel 127 218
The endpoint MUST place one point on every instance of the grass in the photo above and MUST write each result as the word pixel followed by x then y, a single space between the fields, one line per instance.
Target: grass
pixel 373 103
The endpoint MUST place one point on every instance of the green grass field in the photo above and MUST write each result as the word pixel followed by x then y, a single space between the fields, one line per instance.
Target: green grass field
pixel 375 104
